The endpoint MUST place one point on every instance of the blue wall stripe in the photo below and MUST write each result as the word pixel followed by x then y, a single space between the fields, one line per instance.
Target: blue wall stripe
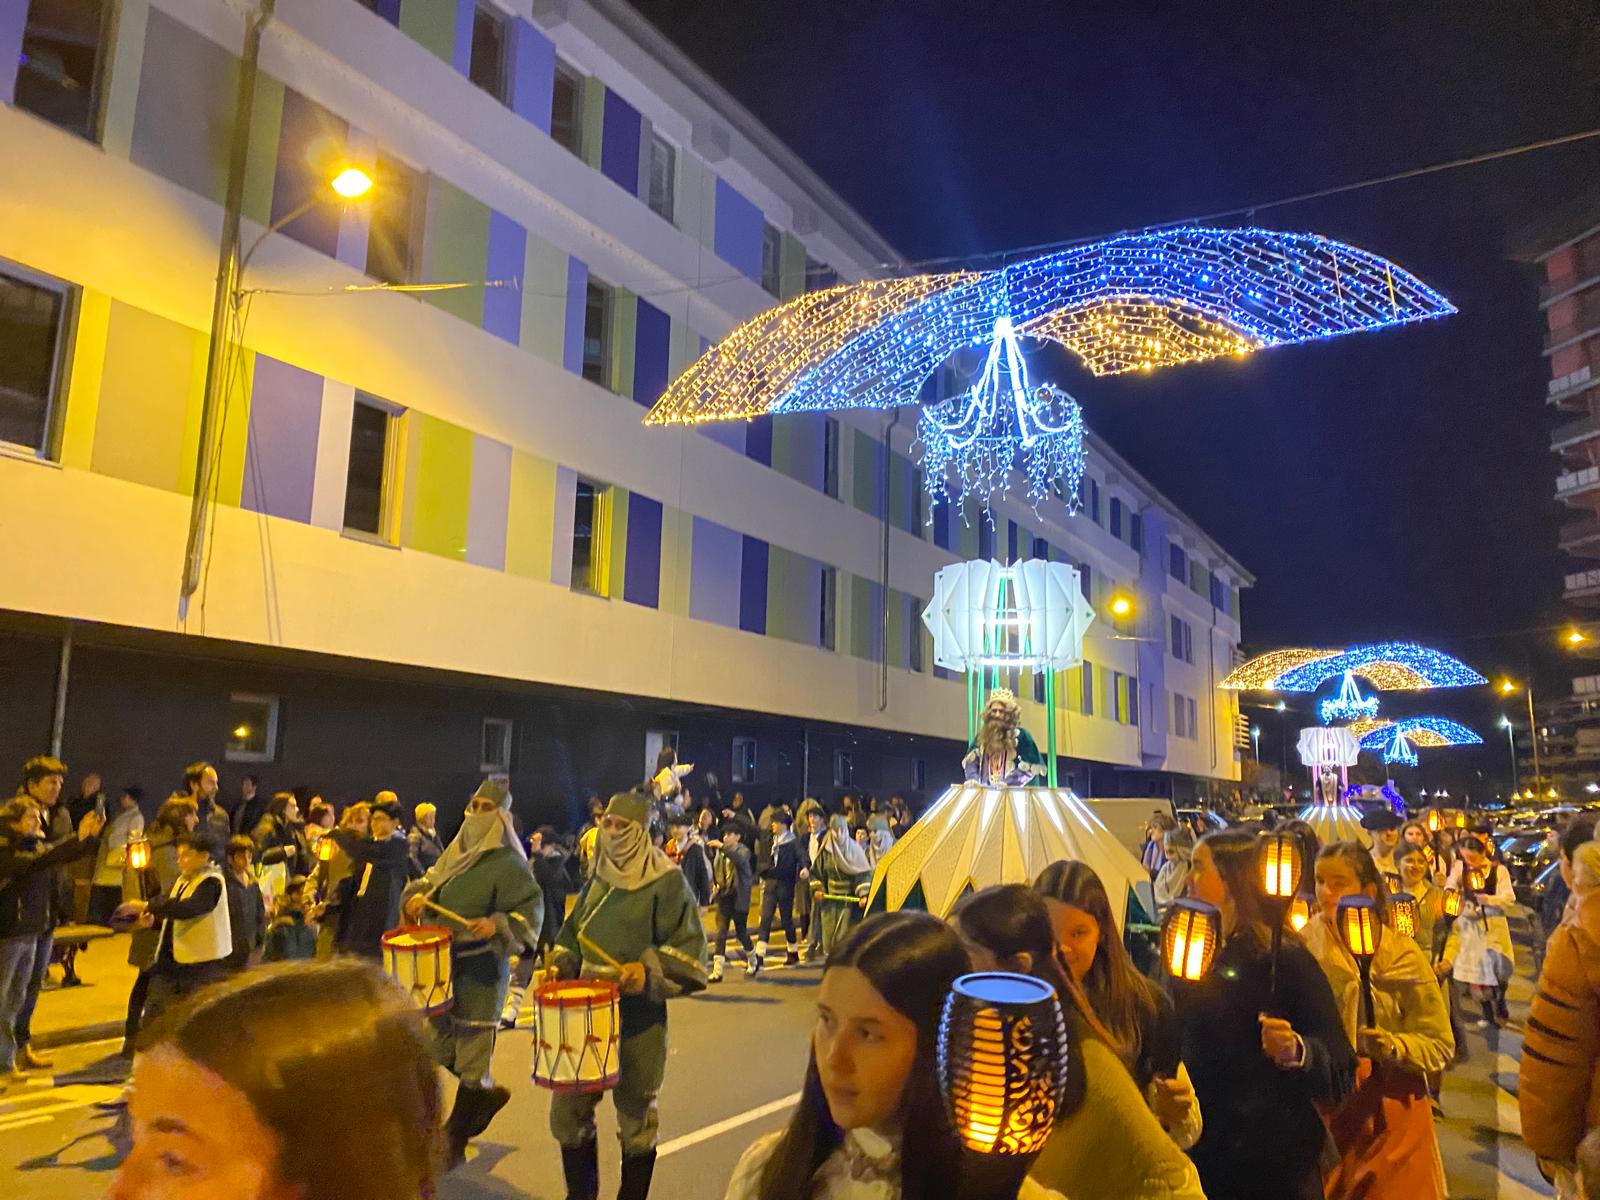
pixel 12 19
pixel 727 433
pixel 619 143
pixel 507 258
pixel 306 123
pixel 652 348
pixel 533 73
pixel 466 10
pixel 641 572
pixel 753 586
pixel 714 557
pixel 758 440
pixel 577 291
pixel 738 231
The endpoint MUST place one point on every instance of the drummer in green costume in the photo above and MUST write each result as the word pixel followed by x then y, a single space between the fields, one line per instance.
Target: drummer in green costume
pixel 483 876
pixel 636 923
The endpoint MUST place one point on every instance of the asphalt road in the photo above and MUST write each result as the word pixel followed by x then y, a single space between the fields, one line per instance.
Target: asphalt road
pixel 737 1057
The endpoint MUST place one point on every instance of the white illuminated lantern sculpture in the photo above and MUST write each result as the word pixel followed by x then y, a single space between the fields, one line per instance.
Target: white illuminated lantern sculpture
pixel 1329 753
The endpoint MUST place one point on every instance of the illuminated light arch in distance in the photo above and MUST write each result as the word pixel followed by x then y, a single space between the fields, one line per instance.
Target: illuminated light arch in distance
pixel 1422 732
pixel 1388 666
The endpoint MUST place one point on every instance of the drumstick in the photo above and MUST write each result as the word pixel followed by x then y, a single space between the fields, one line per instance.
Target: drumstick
pixel 445 912
pixel 587 944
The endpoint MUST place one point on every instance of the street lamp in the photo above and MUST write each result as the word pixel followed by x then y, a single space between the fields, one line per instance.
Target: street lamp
pixel 1121 606
pixel 1511 740
pixel 1509 688
pixel 1255 737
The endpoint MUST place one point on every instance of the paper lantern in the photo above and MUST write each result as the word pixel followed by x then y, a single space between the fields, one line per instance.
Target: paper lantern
pixel 138 853
pixel 1190 935
pixel 1002 1061
pixel 1299 913
pixel 1434 822
pixel 1460 818
pixel 326 848
pixel 1452 902
pixel 1280 865
pixel 1477 879
pixel 1403 914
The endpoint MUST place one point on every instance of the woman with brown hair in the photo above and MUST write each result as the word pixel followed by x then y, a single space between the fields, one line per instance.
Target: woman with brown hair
pixel 1137 1016
pixel 1106 1143
pixel 260 1088
pixel 1264 1047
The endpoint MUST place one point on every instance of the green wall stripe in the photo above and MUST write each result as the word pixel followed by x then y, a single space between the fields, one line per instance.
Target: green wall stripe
pixel 431 23
pixel 624 328
pixel 544 300
pixel 442 499
pixel 265 118
pixel 619 542
pixel 791 266
pixel 455 249
pixel 594 116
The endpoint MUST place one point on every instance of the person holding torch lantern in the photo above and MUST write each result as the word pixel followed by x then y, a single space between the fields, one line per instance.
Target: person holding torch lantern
pixel 1394 1013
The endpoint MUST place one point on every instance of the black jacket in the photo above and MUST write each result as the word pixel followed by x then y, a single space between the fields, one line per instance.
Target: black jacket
pixel 781 864
pixel 550 872
pixel 425 849
pixel 29 898
pixel 247 918
pixel 379 872
pixel 696 867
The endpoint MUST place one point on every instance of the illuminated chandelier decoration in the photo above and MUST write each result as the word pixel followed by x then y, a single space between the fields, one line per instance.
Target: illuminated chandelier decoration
pixel 1387 666
pixel 1348 705
pixel 1398 750
pixel 1137 302
pixel 970 443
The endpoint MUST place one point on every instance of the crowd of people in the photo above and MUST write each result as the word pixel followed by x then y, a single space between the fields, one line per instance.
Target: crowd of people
pixel 1269 1078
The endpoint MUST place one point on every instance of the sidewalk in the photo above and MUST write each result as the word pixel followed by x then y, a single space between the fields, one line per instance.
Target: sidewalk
pixel 93 1011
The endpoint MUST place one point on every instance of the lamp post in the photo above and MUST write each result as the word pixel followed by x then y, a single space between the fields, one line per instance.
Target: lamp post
pixel 1508 688
pixel 1255 740
pixel 1511 741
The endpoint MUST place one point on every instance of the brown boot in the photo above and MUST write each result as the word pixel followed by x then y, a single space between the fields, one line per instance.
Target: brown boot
pixel 29 1061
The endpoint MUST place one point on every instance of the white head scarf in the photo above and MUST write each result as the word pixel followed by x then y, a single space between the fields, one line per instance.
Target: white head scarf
pixel 480 833
pixel 627 859
pixel 843 846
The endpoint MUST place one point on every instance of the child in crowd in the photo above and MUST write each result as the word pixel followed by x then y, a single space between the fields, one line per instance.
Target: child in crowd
pixel 731 877
pixel 288 936
pixel 780 871
pixel 247 911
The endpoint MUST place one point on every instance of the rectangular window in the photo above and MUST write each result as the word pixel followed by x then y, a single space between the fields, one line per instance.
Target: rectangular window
pixel 1086 581
pixel 1133 701
pixel 60 67
pixel 1092 490
pixel 1116 518
pixel 1087 677
pixel 566 108
pixel 827 608
pixel 662 182
pixel 830 456
pixel 496 745
pixel 1182 640
pixel 844 769
pixel 744 760
pixel 597 333
pixel 487 66
pixel 914 620
pixel 252 728
pixel 1179 712
pixel 394 232
pixel 771 259
pixel 919 774
pixel 1194 723
pixel 1038 687
pixel 34 319
pixel 919 515
pixel 366 493
pixel 1177 562
pixel 819 275
pixel 1136 532
pixel 591 510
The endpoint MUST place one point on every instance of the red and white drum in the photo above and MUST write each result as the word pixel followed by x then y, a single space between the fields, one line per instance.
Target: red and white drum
pixel 417 958
pixel 576 1028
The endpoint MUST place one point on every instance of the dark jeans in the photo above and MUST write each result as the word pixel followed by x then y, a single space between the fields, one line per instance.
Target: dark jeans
pixel 24 960
pixel 171 982
pixel 136 999
pixel 739 918
pixel 778 898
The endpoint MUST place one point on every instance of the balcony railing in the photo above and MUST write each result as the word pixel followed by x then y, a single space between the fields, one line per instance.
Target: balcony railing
pixel 1574 431
pixel 1570 384
pixel 1585 270
pixel 1578 533
pixel 1569 482
pixel 1585 321
pixel 1582 582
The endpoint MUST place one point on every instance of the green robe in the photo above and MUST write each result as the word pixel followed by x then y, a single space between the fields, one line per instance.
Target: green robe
pixel 657 925
pixel 500 884
pixel 836 895
pixel 1027 752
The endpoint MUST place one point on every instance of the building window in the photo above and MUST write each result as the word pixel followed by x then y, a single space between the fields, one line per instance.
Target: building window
pixel 495 749
pixel 34 314
pixel 830 456
pixel 844 769
pixel 1116 518
pixel 914 622
pixel 744 760
pixel 60 67
pixel 1086 677
pixel 566 108
pixel 1179 713
pixel 819 275
pixel 597 333
pixel 591 542
pixel 487 65
pixel 1086 581
pixel 918 513
pixel 919 774
pixel 771 259
pixel 1182 640
pixel 1133 701
pixel 827 608
pixel 662 181
pixel 1194 723
pixel 366 498
pixel 252 728
pixel 1136 532
pixel 394 230
pixel 1177 562
pixel 1038 687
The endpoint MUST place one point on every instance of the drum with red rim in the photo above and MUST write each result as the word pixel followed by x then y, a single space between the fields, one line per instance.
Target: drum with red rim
pixel 417 958
pixel 576 1027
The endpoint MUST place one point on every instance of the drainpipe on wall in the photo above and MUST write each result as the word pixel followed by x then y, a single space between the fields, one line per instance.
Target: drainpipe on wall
pixel 883 616
pixel 58 720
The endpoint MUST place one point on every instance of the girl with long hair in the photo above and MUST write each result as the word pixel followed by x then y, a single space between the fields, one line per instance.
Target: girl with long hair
pixel 1384 1129
pixel 262 1087
pixel 1262 1056
pixel 1106 1144
pixel 1140 1024
pixel 871 1122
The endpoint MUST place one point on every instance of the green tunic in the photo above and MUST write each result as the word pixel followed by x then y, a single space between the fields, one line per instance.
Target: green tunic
pixel 499 884
pixel 836 895
pixel 658 925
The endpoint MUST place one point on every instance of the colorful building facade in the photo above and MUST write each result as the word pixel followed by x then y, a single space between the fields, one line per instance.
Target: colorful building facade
pixel 438 540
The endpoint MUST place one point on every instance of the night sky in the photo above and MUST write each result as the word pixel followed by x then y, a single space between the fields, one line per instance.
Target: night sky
pixel 1396 484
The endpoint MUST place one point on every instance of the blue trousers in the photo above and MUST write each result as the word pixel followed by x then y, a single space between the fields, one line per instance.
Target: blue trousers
pixel 23 963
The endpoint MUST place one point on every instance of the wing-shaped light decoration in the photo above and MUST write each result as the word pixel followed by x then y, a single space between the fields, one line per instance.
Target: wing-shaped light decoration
pixel 1424 732
pixel 1131 303
pixel 1388 666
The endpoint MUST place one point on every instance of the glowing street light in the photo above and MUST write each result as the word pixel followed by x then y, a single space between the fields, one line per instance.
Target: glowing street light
pixel 353 183
pixel 1510 687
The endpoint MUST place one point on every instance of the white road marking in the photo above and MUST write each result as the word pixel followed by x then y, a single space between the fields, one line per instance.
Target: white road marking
pixel 29 1108
pixel 721 1127
pixel 8 1127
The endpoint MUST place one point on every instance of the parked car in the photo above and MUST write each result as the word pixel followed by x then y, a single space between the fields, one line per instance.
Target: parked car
pixel 1526 854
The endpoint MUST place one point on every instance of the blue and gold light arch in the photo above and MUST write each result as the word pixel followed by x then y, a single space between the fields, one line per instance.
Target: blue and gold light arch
pixel 1425 732
pixel 1388 666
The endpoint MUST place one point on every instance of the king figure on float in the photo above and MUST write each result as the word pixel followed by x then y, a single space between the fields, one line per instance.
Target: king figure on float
pixel 1003 754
